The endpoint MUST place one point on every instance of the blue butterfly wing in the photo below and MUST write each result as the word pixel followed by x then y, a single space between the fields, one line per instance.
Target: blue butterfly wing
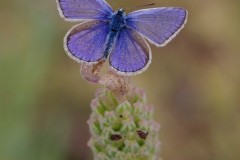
pixel 86 41
pixel 131 54
pixel 158 25
pixel 84 9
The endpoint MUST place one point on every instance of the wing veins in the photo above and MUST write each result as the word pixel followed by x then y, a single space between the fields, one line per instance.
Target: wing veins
pixel 134 46
pixel 90 7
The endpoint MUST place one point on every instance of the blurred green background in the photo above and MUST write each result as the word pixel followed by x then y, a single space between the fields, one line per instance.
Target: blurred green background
pixel 193 82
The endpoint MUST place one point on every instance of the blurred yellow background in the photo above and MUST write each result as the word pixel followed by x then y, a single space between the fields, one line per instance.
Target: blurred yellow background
pixel 193 82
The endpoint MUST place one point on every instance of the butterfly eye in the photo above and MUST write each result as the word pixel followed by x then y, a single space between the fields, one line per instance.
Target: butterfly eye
pixel 122 10
pixel 115 137
pixel 142 135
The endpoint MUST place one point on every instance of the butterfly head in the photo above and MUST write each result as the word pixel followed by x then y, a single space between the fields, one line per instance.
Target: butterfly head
pixel 121 12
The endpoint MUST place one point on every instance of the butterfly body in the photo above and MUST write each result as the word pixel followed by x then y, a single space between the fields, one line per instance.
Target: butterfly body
pixel 117 22
pixel 118 36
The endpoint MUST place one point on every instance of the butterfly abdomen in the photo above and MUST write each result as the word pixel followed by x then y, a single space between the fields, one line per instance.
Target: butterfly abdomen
pixel 110 42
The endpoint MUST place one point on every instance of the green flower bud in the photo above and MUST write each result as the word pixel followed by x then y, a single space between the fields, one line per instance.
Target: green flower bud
pixel 123 128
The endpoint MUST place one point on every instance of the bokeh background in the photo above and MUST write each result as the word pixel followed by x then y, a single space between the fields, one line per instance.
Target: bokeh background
pixel 193 82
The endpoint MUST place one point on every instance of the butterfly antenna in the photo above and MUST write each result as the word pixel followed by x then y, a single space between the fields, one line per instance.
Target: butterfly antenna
pixel 140 6
pixel 147 5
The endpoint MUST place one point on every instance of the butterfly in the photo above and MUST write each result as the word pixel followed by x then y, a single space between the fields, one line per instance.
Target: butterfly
pixel 118 36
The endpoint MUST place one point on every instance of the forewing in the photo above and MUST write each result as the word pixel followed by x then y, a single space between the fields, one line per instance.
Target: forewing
pixel 86 41
pixel 158 25
pixel 131 54
pixel 73 10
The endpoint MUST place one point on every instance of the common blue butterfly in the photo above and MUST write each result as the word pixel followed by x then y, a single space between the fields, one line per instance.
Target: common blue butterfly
pixel 118 36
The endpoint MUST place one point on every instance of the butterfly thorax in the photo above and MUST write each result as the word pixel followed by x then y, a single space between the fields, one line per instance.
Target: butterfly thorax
pixel 118 20
pixel 116 23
